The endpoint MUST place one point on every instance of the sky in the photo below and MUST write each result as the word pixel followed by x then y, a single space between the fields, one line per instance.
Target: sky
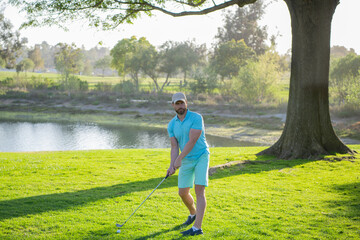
pixel 161 28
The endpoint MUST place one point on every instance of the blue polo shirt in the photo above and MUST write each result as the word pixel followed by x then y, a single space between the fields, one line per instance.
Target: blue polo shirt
pixel 181 129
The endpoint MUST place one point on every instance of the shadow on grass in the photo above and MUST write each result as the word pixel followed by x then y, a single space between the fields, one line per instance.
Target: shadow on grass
pixel 260 164
pixel 176 228
pixel 349 204
pixel 60 201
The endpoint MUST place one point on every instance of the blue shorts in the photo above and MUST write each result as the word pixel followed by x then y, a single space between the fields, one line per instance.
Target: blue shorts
pixel 194 171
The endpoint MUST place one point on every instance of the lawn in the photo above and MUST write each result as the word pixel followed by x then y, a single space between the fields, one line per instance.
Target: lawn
pixel 145 82
pixel 82 194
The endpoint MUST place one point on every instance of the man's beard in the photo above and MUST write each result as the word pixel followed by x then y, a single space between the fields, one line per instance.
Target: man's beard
pixel 181 111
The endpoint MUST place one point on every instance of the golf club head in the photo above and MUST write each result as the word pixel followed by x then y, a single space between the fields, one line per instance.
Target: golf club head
pixel 119 225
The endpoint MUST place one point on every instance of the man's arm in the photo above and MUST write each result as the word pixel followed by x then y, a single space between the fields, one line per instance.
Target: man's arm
pixel 174 154
pixel 193 137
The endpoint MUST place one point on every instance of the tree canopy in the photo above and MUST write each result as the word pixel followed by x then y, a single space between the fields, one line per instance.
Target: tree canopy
pixel 132 55
pixel 230 56
pixel 108 14
pixel 35 56
pixel 68 59
pixel 10 43
pixel 242 24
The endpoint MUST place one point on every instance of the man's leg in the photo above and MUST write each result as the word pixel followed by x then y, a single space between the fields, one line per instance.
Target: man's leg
pixel 200 205
pixel 187 199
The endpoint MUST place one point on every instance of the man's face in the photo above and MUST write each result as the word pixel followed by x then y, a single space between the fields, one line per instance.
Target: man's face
pixel 180 107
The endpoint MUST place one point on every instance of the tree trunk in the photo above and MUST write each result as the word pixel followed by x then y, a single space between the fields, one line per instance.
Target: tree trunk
pixel 166 82
pixel 185 82
pixel 308 132
pixel 154 78
pixel 134 76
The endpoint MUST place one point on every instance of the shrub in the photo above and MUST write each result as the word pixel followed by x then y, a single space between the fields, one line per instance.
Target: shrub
pixel 125 87
pixel 41 83
pixel 103 87
pixel 74 84
pixel 205 81
pixel 353 93
pixel 7 81
pixel 255 82
pixel 344 81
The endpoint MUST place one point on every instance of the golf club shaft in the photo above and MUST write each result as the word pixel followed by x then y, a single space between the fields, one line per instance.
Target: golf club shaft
pixel 146 199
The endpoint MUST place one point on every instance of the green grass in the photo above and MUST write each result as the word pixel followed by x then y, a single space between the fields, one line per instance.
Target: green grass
pixel 145 82
pixel 5 74
pixel 82 194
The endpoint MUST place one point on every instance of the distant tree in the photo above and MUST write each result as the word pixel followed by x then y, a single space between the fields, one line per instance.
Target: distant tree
pixel 346 66
pixel 243 24
pixel 121 54
pixel 340 51
pixel 134 56
pixel 68 60
pixel 35 56
pixel 187 55
pixel 344 74
pixel 206 80
pixel 229 57
pixel 353 96
pixel 103 64
pixel 10 43
pixel 95 54
pixel 88 68
pixel 255 82
pixel 148 58
pixel 48 54
pixel 25 65
pixel 168 64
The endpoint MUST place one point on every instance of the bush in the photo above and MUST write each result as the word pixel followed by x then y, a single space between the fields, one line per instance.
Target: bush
pixel 7 81
pixel 41 84
pixel 74 84
pixel 344 81
pixel 103 87
pixel 126 87
pixel 205 81
pixel 199 86
pixel 255 82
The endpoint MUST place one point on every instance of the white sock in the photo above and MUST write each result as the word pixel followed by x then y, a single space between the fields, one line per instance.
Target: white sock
pixel 194 228
pixel 192 215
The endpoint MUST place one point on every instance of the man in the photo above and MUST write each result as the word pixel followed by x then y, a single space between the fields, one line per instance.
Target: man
pixel 186 131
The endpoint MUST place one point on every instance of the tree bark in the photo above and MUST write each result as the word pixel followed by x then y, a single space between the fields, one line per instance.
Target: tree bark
pixel 308 132
pixel 166 82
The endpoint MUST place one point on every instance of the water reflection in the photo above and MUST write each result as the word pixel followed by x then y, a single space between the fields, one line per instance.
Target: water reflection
pixel 27 136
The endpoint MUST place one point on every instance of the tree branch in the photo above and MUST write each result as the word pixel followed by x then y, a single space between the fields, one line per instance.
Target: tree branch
pixel 96 5
pixel 190 3
pixel 240 3
pixel 130 9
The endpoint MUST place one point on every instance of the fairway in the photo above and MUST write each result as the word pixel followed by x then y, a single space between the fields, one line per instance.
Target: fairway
pixel 83 194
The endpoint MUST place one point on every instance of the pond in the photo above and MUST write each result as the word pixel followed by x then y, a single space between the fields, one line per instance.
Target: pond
pixel 49 136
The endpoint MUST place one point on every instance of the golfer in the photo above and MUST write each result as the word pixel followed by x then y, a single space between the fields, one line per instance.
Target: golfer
pixel 186 131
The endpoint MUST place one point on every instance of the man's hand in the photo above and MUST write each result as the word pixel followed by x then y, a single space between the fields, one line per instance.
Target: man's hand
pixel 171 171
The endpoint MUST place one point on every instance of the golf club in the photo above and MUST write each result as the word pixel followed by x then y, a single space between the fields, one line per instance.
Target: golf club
pixel 120 225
